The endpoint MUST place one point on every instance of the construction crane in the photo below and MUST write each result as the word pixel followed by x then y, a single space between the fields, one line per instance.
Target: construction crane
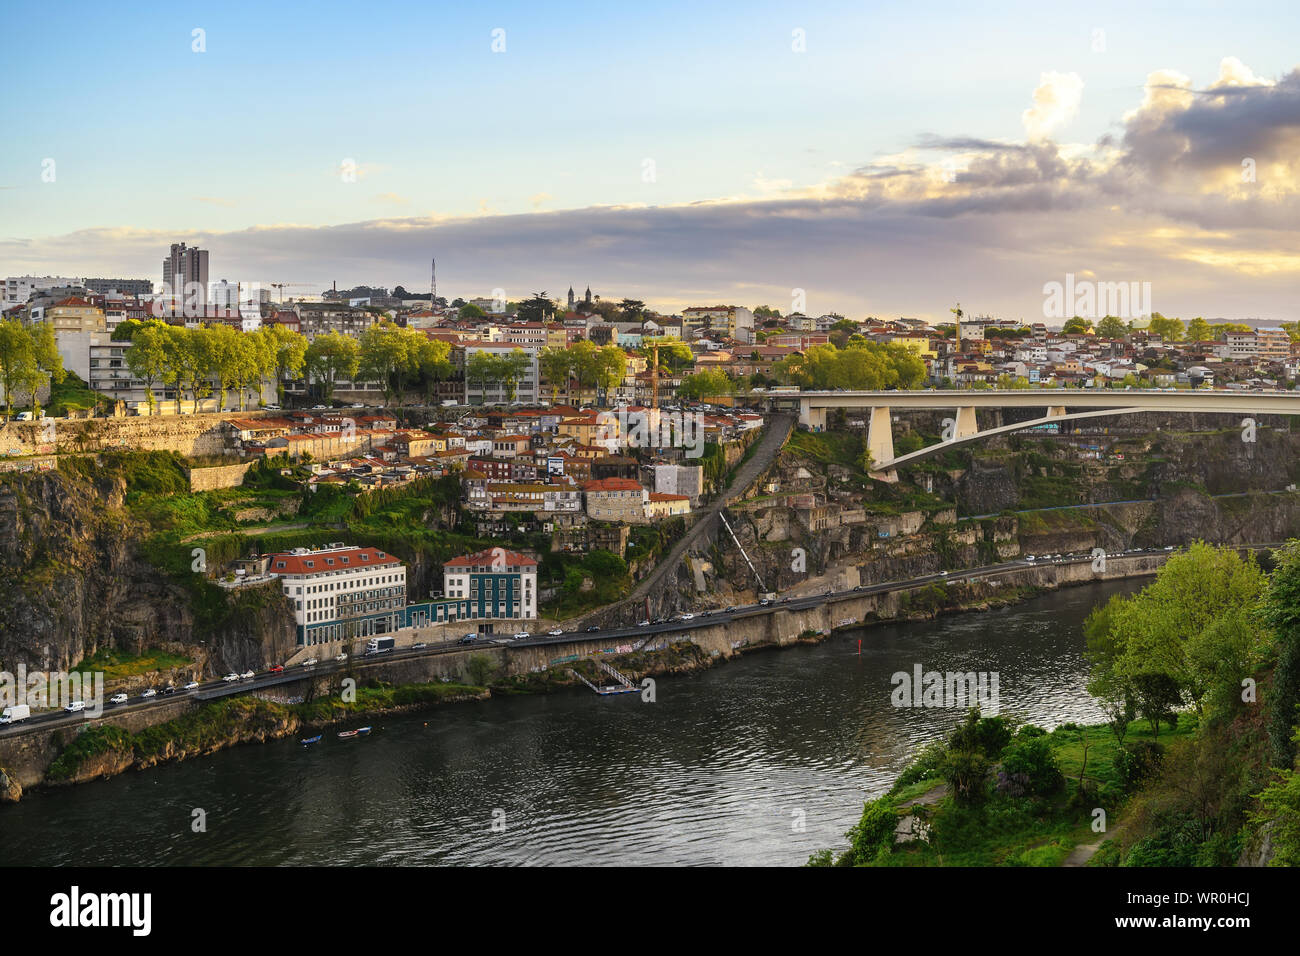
pixel 287 285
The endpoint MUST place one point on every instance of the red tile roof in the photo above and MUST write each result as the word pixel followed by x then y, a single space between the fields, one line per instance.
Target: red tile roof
pixel 486 558
pixel 317 562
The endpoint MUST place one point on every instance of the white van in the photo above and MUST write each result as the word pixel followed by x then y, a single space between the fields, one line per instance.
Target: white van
pixel 15 713
pixel 75 706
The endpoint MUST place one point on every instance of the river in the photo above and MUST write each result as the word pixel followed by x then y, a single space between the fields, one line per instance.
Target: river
pixel 761 761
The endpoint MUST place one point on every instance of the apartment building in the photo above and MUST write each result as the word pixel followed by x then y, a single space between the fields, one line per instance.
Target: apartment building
pixel 341 592
pixel 496 583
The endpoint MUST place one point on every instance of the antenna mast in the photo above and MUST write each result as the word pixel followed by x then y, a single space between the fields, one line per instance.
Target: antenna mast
pixel 433 284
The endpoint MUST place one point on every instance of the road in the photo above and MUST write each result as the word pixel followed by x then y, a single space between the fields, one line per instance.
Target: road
pixel 775 432
pixel 217 689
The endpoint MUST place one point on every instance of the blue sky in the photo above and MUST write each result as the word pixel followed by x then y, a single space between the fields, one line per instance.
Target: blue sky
pixel 149 137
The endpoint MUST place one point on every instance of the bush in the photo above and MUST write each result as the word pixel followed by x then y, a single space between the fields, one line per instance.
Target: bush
pixel 873 836
pixel 1029 767
pixel 1138 762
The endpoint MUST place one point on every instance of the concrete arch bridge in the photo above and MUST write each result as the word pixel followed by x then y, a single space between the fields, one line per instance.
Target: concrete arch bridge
pixel 1060 405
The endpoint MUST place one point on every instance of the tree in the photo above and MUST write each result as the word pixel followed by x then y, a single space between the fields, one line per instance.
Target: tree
pixel 388 355
pixel 631 310
pixel 17 359
pixel 147 358
pixel 1076 326
pixel 673 352
pixel 125 330
pixel 555 365
pixel 434 359
pixel 1198 330
pixel 1111 327
pixel 707 383
pixel 1280 614
pixel 537 308
pixel 471 311
pixel 330 358
pixel 289 354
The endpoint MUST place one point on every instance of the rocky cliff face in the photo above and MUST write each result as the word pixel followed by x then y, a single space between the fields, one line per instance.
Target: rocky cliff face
pixel 74 580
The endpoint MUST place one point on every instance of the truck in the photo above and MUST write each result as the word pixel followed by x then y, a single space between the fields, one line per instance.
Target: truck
pixel 377 645
pixel 15 713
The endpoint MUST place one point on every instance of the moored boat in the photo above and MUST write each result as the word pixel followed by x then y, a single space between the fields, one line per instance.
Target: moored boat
pixel 344 734
pixel 363 730
pixel 312 740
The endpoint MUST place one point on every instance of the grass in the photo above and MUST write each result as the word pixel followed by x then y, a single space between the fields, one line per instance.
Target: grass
pixel 119 665
pixel 1006 831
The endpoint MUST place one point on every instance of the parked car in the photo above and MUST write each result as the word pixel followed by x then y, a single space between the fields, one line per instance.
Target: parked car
pixel 555 631
pixel 192 685
pixel 522 635
pixel 230 678
pixel 593 627
pixel 310 662
pixel 247 675
pixel 943 574
pixel 468 639
pixel 149 692
pixel 419 646
pixel 642 623
pixel 169 689
pixel 275 669
pixel 343 655
pixel 688 617
pixel 117 699
pixel 75 706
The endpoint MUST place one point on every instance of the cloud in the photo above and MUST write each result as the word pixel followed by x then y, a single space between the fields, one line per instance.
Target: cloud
pixel 949 218
pixel 1056 103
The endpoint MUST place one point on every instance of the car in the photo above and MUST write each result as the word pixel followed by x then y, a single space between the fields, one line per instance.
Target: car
pixel 168 690
pixel 247 675
pixel 642 623
pixel 688 617
pixel 358 405
pixel 117 699
pixel 1029 557
pixel 591 629
pixel 275 669
pixel 730 608
pixel 943 574
pixel 468 639
pixel 419 646
pixel 343 655
pixel 317 408
pixel 310 662
pixel 271 408
pixel 858 587
pixel 1169 547
pixel 192 685
pixel 764 603
pixel 75 705
pixel 149 692
pixel 786 599
pixel 522 635
pixel 555 631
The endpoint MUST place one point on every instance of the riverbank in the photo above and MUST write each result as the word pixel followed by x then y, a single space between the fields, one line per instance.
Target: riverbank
pixel 105 750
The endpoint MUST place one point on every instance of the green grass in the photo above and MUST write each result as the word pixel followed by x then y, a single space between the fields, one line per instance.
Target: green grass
pixel 119 665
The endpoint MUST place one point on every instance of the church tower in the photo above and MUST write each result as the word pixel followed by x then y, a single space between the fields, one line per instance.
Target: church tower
pixel 587 300
pixel 570 298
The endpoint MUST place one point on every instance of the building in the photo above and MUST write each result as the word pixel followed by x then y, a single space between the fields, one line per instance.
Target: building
pixel 616 499
pixel 122 286
pixel 497 584
pixel 75 314
pixel 18 289
pixel 660 505
pixel 733 320
pixel 526 389
pixel 185 275
pixel 340 593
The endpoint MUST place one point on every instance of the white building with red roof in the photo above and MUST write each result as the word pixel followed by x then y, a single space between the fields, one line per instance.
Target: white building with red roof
pixel 496 583
pixel 341 592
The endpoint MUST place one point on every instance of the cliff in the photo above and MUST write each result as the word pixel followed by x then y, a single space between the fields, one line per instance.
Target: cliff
pixel 75 580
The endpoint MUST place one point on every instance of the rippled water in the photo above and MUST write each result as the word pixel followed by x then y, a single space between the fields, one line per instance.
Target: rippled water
pixel 720 770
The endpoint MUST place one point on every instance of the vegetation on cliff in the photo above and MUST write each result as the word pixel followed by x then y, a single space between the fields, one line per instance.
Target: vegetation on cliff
pixel 1199 674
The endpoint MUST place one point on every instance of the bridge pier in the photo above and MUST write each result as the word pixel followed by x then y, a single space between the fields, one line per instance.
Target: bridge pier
pixel 814 418
pixel 1055 411
pixel 880 442
pixel 965 425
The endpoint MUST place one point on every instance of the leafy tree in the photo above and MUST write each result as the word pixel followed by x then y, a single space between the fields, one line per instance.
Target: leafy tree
pixel 471 311
pixel 148 358
pixel 707 383
pixel 330 358
pixel 1076 326
pixel 1111 327
pixel 1169 330
pixel 389 355
pixel 537 308
pixel 1280 613
pixel 289 354
pixel 1198 330
pixel 556 366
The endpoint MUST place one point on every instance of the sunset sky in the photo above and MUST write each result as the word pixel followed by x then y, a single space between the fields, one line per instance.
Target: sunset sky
pixel 888 159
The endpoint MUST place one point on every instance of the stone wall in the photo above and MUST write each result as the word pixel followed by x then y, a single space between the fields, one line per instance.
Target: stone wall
pixel 220 476
pixel 190 435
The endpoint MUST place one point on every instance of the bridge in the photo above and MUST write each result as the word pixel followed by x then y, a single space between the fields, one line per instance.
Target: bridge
pixel 963 428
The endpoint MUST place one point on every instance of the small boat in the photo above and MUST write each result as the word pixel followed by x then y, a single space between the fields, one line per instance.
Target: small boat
pixel 344 734
pixel 363 730
pixel 312 740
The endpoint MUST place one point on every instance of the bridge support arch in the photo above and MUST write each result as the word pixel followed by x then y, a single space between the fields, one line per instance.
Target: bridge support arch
pixel 813 417
pixel 965 424
pixel 880 441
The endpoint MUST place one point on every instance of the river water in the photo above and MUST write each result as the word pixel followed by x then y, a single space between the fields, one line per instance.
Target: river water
pixel 761 760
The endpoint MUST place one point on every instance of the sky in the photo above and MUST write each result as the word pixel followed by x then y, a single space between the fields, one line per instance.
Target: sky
pixel 871 158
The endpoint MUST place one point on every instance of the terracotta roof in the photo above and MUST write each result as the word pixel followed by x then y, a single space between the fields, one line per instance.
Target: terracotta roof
pixel 317 562
pixel 499 555
pixel 612 484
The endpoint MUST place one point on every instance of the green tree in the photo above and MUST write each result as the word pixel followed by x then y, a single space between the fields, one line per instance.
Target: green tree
pixel 148 358
pixel 330 358
pixel 1111 327
pixel 289 351
pixel 1076 326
